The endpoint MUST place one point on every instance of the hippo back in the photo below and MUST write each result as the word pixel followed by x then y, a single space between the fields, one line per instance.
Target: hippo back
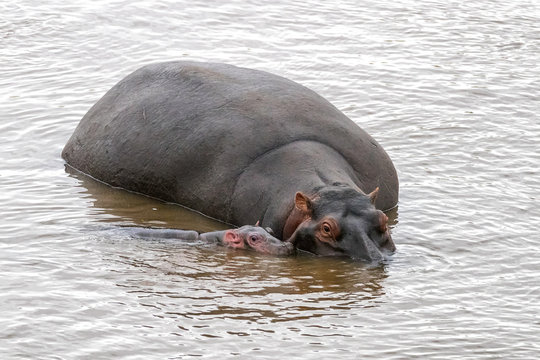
pixel 184 132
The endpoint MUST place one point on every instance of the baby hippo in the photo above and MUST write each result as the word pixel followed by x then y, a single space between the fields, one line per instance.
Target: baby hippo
pixel 250 237
pixel 246 237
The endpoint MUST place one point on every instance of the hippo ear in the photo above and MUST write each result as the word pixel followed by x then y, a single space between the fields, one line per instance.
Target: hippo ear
pixel 233 239
pixel 383 221
pixel 373 195
pixel 258 222
pixel 269 230
pixel 302 203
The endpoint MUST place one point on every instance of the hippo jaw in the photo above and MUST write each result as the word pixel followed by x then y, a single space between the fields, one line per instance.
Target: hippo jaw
pixel 340 221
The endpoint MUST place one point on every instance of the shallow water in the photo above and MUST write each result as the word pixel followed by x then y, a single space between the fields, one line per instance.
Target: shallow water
pixel 450 89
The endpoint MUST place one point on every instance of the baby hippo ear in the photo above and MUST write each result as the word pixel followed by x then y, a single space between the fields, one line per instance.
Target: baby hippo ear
pixel 233 239
pixel 373 195
pixel 269 230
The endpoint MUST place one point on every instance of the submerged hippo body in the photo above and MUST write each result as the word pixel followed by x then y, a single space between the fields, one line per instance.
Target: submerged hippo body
pixel 242 145
pixel 246 237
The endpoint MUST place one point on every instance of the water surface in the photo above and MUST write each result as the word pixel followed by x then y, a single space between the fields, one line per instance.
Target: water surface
pixel 449 88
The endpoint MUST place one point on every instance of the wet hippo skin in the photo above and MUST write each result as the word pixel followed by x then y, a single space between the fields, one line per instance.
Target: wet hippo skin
pixel 246 237
pixel 243 145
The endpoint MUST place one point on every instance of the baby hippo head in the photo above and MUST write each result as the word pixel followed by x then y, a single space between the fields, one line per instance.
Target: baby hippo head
pixel 258 239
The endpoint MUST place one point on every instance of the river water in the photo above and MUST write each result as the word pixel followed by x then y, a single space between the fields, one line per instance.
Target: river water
pixel 449 88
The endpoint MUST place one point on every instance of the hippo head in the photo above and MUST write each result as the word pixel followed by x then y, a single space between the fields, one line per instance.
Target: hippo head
pixel 339 221
pixel 258 239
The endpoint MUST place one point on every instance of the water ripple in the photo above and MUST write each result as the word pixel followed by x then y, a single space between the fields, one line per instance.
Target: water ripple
pixel 450 91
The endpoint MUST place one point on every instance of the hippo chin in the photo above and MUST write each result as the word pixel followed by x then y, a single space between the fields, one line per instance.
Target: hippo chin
pixel 241 145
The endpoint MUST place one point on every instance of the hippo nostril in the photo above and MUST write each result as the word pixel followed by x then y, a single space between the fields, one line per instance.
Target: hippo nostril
pixel 288 249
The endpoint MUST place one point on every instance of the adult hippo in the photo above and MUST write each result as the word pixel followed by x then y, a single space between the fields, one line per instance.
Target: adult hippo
pixel 243 145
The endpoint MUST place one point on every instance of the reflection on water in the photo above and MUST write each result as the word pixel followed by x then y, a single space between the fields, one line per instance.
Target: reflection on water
pixel 140 210
pixel 226 283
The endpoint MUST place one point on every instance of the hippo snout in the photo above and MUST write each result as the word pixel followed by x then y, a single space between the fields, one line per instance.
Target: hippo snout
pixel 258 239
pixel 286 249
pixel 275 246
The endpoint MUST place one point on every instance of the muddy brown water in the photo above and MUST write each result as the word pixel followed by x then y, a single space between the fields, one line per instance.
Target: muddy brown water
pixel 449 88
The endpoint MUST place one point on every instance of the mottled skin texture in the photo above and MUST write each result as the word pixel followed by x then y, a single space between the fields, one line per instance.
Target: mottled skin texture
pixel 246 237
pixel 237 145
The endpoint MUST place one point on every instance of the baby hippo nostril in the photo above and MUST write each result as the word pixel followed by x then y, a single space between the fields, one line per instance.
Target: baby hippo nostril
pixel 287 249
pixel 290 247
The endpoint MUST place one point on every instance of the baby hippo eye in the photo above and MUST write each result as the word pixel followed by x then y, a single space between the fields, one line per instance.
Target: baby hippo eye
pixel 254 238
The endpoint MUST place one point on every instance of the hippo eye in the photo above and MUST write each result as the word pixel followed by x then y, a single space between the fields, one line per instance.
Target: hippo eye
pixel 254 238
pixel 326 228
